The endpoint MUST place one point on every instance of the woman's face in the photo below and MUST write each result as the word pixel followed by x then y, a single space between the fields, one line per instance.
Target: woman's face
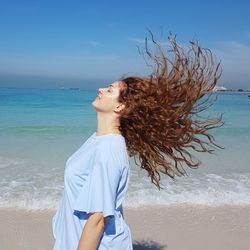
pixel 107 99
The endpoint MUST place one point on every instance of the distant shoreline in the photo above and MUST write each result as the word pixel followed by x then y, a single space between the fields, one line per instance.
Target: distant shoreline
pixel 80 89
pixel 237 91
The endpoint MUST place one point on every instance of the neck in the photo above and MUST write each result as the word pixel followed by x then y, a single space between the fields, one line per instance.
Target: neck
pixel 107 123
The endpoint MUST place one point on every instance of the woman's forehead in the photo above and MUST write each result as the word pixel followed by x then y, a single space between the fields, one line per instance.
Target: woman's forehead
pixel 115 84
pixel 118 84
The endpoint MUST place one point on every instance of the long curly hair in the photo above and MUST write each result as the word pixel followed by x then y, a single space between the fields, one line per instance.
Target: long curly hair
pixel 160 120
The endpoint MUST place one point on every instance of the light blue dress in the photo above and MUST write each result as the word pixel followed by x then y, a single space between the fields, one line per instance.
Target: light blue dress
pixel 95 180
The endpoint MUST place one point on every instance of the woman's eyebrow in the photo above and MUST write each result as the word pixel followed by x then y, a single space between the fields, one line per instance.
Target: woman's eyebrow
pixel 111 85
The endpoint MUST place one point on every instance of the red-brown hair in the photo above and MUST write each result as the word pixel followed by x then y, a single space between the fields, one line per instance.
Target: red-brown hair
pixel 160 120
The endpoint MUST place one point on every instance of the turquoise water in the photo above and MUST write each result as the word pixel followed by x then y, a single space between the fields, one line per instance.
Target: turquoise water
pixel 40 129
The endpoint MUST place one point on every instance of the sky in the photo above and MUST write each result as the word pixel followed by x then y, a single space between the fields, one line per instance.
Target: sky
pixel 88 44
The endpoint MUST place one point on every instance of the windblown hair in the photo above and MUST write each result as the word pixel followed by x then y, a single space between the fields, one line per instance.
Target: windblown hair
pixel 159 121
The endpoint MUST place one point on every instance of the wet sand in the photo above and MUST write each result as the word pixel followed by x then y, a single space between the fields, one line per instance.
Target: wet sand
pixel 181 227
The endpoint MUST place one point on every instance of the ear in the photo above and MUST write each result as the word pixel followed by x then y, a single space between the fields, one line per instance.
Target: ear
pixel 119 107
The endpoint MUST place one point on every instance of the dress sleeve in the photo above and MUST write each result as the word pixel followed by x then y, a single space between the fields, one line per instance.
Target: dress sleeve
pixel 98 193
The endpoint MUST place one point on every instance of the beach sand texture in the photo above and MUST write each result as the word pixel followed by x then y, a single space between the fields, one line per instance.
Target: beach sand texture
pixel 153 228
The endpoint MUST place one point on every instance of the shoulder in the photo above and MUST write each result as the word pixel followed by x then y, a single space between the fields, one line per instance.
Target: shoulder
pixel 113 150
pixel 113 144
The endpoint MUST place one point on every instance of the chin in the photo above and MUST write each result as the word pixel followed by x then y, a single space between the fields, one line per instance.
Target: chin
pixel 94 104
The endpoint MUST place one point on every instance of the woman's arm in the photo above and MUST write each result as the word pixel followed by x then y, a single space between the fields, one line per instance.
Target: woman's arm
pixel 92 232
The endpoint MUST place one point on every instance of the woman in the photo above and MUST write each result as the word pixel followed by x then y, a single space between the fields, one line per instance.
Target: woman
pixel 146 116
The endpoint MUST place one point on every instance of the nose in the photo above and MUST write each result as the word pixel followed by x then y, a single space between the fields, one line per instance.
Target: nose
pixel 100 90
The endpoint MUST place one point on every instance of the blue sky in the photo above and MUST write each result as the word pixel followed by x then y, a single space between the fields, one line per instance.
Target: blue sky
pixel 91 43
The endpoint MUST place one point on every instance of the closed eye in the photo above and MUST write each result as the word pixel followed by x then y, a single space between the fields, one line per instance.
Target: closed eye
pixel 110 86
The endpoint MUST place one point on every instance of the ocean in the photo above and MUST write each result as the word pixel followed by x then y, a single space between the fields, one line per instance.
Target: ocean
pixel 41 128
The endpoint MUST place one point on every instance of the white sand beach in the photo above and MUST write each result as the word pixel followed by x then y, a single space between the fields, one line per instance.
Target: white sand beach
pixel 153 228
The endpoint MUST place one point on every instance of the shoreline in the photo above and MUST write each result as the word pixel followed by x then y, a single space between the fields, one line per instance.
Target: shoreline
pixel 171 227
